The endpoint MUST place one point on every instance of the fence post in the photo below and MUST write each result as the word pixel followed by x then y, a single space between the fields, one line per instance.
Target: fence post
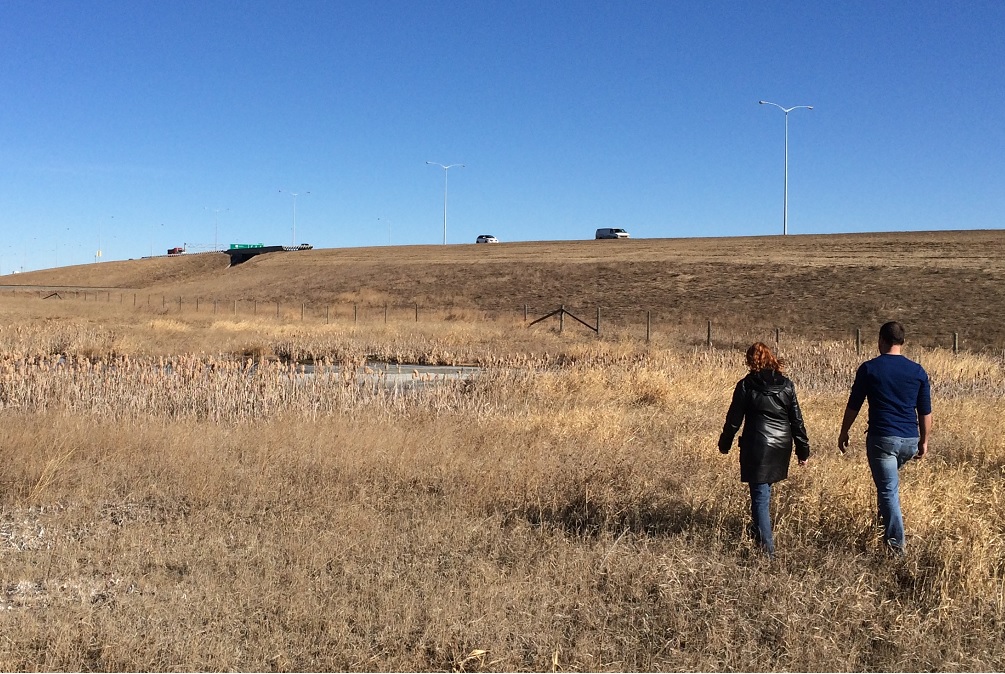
pixel 303 310
pixel 956 343
pixel 134 299
pixel 326 314
pixel 214 304
pixel 164 301
pixel 777 335
pixel 416 312
pixel 277 308
pixel 179 304
pixel 385 312
pixel 561 318
pixel 524 313
pixel 196 305
pixel 858 341
pixel 708 336
pixel 255 310
pixel 598 321
pixel 353 312
pixel 235 307
pixel 649 325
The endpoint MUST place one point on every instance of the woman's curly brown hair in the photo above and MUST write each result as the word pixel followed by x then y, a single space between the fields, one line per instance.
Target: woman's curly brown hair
pixel 759 357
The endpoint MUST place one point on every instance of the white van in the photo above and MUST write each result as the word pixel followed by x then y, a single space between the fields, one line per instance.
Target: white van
pixel 612 233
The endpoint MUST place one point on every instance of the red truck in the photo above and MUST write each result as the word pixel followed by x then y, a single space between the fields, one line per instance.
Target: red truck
pixel 177 250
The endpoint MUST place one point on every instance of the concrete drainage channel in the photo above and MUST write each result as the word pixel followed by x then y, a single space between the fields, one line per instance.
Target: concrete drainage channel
pixel 399 375
pixel 375 373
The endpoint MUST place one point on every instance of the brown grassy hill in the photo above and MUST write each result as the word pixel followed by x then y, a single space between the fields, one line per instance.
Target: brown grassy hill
pixel 936 282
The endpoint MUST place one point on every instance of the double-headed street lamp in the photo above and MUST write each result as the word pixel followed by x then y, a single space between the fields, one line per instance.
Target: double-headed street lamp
pixel 445 169
pixel 295 195
pixel 785 193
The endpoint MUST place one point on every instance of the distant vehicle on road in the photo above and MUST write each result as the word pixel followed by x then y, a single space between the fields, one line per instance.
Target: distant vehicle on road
pixel 612 233
pixel 486 238
pixel 177 250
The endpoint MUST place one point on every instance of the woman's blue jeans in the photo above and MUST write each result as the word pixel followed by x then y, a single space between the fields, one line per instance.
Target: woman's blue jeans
pixel 760 515
pixel 886 457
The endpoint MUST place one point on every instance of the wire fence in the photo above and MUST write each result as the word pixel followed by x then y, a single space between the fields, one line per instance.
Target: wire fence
pixel 640 323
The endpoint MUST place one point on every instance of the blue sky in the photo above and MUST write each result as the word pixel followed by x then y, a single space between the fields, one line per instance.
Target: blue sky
pixel 136 123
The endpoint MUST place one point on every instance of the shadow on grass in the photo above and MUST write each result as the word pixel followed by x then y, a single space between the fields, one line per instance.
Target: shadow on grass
pixel 589 516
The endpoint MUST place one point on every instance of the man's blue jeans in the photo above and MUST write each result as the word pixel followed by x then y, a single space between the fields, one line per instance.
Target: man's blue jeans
pixel 760 515
pixel 886 457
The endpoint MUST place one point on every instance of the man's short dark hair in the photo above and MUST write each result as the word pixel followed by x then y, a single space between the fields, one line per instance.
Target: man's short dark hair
pixel 892 333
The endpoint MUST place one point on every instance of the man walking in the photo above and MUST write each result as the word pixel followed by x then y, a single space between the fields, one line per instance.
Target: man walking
pixel 900 421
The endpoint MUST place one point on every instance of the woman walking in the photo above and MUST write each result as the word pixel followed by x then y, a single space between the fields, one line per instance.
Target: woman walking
pixel 764 402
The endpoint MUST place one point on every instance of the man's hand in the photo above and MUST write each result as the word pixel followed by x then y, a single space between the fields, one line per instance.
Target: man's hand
pixel 843 441
pixel 849 419
pixel 924 431
pixel 803 462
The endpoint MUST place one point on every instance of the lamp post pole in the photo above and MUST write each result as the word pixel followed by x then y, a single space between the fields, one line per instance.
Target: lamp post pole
pixel 295 195
pixel 445 169
pixel 216 224
pixel 152 230
pixel 785 192
pixel 388 230
pixel 97 253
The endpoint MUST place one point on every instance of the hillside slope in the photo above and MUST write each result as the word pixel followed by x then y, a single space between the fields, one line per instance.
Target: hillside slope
pixel 937 282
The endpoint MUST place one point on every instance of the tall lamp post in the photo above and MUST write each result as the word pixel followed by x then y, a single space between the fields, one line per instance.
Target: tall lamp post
pixel 295 195
pixel 97 253
pixel 216 223
pixel 785 193
pixel 388 230
pixel 445 169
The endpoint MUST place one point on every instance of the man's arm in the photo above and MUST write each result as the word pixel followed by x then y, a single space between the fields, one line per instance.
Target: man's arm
pixel 924 430
pixel 849 418
pixel 855 400
pixel 924 414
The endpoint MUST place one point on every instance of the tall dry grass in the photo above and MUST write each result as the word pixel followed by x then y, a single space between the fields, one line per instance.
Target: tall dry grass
pixel 568 510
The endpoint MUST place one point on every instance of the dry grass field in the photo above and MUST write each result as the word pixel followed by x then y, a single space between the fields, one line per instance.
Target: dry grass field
pixel 177 495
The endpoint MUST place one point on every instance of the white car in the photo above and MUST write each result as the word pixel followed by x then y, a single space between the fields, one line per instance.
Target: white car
pixel 486 238
pixel 612 233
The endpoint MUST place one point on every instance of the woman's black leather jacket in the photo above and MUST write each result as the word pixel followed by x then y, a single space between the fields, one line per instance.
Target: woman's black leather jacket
pixel 765 404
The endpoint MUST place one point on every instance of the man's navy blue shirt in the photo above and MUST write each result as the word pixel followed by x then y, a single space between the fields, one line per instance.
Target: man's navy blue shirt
pixel 898 393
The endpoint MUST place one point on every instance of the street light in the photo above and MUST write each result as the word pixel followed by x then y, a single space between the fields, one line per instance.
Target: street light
pixel 216 223
pixel 97 254
pixel 152 230
pixel 388 230
pixel 295 195
pixel 785 194
pixel 445 169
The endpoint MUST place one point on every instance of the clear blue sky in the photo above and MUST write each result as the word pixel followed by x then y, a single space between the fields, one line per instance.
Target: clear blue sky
pixel 135 121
